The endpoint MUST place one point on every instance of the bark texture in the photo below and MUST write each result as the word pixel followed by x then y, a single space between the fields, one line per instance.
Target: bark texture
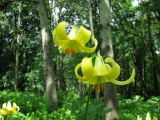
pixel 154 58
pixel 48 64
pixel 107 51
pixel 18 39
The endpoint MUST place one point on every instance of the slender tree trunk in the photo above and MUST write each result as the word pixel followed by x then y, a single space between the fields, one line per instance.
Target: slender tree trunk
pixel 90 17
pixel 54 13
pixel 97 93
pixel 48 64
pixel 18 39
pixel 142 67
pixel 139 56
pixel 61 83
pixel 107 49
pixel 124 88
pixel 154 58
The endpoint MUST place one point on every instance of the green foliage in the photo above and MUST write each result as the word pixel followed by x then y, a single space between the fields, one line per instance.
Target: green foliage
pixel 32 106
pixel 73 11
pixel 96 110
pixel 7 80
pixel 148 117
pixel 28 45
pixel 73 107
pixel 34 77
pixel 130 33
pixel 26 101
pixel 33 82
pixel 131 108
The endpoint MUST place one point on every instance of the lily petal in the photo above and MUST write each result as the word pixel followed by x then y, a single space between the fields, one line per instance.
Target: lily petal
pixel 108 67
pixel 115 69
pixel 87 71
pixel 99 66
pixel 72 34
pixel 9 106
pixel 87 67
pixel 65 44
pixel 60 31
pixel 60 42
pixel 73 45
pixel 76 73
pixel 83 35
pixel 127 81
pixel 4 106
pixel 88 49
pixel 92 80
pixel 15 107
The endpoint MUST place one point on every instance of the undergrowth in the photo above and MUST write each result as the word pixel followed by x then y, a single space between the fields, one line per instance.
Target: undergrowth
pixel 73 107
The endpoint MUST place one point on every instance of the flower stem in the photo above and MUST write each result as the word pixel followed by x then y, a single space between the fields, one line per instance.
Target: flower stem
pixel 87 102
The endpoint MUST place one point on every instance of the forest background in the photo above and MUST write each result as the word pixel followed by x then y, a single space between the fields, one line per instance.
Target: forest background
pixel 135 31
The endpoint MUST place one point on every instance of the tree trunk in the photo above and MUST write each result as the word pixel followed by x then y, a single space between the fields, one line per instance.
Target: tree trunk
pixel 154 59
pixel 61 82
pixel 107 50
pixel 91 17
pixel 139 57
pixel 96 93
pixel 18 39
pixel 54 13
pixel 48 65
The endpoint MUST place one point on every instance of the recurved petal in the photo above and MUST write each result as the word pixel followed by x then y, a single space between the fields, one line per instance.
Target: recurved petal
pixel 108 67
pixel 115 69
pixel 87 67
pixel 99 66
pixel 88 49
pixel 9 106
pixel 131 79
pixel 60 31
pixel 4 106
pixel 72 33
pixel 84 79
pixel 76 73
pixel 15 107
pixel 83 35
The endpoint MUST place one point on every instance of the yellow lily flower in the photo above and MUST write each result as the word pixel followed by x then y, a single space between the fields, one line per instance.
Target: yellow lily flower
pixel 75 41
pixel 148 117
pixel 101 71
pixel 9 109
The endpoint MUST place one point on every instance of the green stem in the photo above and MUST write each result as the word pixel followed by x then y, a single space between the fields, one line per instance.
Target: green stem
pixel 87 103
